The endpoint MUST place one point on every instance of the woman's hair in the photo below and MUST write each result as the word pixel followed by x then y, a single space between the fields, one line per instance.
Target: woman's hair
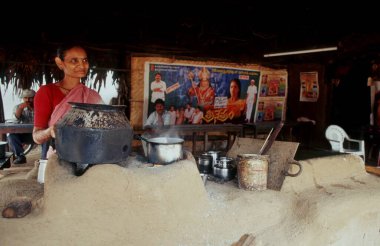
pixel 237 82
pixel 63 48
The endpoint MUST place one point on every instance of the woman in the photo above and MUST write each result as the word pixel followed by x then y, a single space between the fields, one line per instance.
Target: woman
pixel 204 92
pixel 235 105
pixel 51 100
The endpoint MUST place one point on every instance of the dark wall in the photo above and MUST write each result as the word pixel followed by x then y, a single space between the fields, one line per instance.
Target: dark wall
pixel 346 105
pixel 318 111
pixel 351 98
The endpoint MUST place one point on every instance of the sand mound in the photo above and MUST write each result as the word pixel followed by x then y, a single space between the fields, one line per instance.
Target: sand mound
pixel 332 202
pixel 10 189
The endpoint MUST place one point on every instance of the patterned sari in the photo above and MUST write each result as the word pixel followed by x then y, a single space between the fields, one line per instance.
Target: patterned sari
pixel 79 94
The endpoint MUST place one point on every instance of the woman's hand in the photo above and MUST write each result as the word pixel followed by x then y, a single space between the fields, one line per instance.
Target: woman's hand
pixel 41 135
pixel 52 131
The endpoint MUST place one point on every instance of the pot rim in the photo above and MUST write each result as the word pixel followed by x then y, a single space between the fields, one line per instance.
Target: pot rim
pixel 92 107
pixel 156 140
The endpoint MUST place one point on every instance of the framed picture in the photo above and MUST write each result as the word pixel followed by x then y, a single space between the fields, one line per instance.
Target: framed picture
pixel 309 91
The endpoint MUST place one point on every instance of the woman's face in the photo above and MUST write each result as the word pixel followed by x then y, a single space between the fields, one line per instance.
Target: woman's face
pixel 204 76
pixel 234 89
pixel 75 63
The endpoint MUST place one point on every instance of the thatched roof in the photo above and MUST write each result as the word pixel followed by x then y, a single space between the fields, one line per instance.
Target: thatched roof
pixel 27 65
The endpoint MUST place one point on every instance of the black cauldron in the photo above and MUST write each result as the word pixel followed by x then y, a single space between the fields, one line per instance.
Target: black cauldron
pixel 94 134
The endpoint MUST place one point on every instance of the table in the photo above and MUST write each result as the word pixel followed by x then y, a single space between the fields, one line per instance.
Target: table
pixel 266 127
pixel 261 127
pixel 14 128
pixel 230 129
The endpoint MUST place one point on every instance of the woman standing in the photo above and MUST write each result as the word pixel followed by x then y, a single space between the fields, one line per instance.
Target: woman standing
pixel 51 100
pixel 235 105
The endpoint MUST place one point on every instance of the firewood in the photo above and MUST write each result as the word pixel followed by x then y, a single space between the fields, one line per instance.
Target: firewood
pixel 245 240
pixel 18 208
pixel 11 170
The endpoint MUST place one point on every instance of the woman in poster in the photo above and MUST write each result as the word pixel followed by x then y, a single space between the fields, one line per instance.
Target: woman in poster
pixel 235 105
pixel 204 93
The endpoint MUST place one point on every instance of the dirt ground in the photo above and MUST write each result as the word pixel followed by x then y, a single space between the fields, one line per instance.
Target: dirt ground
pixel 333 202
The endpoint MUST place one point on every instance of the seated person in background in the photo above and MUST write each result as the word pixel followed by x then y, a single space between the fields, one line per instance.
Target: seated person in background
pixel 189 111
pixel 159 117
pixel 24 113
pixel 180 116
pixel 173 115
pixel 197 116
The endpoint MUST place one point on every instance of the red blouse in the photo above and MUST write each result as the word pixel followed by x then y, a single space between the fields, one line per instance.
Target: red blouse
pixel 47 97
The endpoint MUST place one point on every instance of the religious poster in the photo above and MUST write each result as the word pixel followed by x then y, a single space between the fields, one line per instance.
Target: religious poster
pixel 309 87
pixel 222 94
pixel 272 97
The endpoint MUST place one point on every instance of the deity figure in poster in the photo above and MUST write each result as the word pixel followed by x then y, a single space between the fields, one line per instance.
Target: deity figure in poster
pixel 204 92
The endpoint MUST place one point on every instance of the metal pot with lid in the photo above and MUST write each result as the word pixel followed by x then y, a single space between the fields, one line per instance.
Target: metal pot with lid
pixel 94 134
pixel 215 155
pixel 224 168
pixel 205 162
pixel 163 150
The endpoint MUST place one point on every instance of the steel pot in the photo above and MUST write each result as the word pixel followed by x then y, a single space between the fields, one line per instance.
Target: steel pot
pixel 215 155
pixel 164 150
pixel 224 168
pixel 224 173
pixel 205 162
pixel 225 162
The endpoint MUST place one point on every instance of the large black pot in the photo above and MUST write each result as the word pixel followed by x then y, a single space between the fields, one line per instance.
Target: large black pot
pixel 94 134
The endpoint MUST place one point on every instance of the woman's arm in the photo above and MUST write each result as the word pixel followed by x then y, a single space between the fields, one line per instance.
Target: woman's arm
pixel 41 135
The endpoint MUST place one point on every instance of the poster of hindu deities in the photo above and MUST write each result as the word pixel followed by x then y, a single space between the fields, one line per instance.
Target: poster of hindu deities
pixel 220 94
pixel 272 97
pixel 309 87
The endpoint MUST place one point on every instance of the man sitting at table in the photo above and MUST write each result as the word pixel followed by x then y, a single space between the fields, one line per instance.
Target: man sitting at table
pixel 160 117
pixel 24 113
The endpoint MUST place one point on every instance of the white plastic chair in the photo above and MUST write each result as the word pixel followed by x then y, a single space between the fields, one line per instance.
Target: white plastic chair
pixel 337 136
